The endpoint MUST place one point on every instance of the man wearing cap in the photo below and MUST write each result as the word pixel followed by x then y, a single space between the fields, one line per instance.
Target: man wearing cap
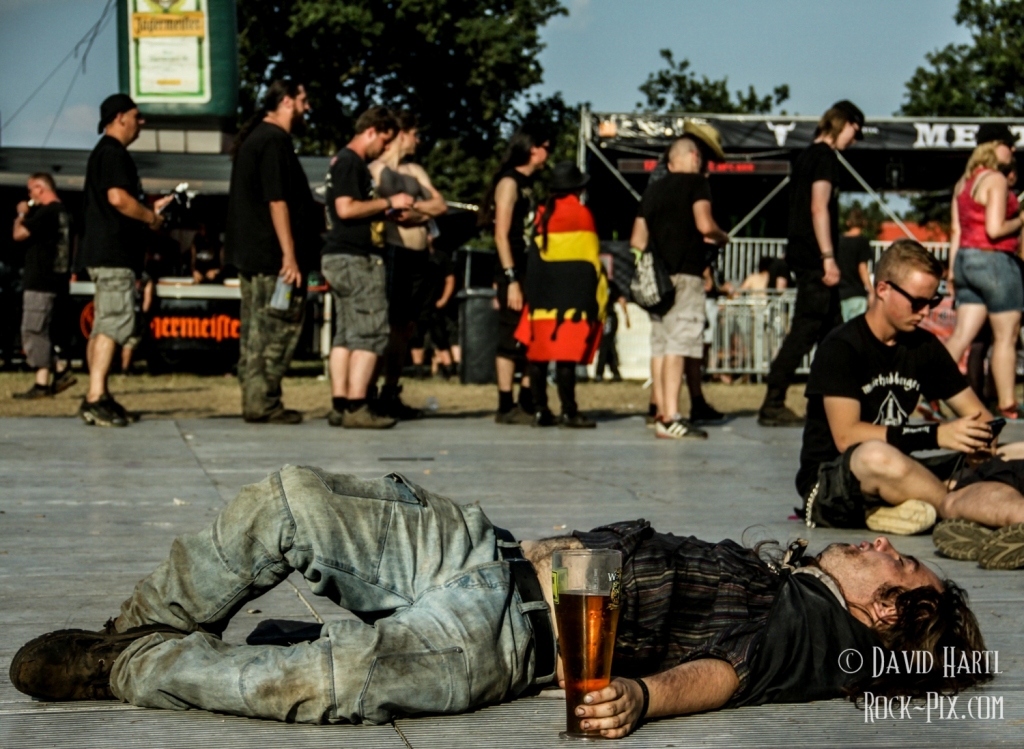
pixel 810 253
pixel 112 248
pixel 676 214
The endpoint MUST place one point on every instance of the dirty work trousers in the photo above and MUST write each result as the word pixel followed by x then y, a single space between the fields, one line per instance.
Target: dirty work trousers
pixel 267 341
pixel 457 637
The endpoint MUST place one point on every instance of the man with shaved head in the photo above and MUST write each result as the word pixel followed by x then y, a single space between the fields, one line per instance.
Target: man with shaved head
pixel 675 215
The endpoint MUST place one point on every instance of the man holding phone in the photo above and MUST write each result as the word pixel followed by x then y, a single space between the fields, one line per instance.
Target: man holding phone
pixel 856 467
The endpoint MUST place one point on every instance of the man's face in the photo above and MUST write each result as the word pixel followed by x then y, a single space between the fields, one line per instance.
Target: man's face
pixel 377 142
pixel 862 569
pixel 300 107
pixel 846 135
pixel 132 123
pixel 539 154
pixel 36 189
pixel 407 140
pixel 899 310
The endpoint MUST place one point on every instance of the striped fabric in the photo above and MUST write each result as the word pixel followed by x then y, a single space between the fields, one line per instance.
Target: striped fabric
pixel 684 599
pixel 566 289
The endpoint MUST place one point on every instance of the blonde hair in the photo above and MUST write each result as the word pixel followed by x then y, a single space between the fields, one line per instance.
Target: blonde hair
pixel 983 156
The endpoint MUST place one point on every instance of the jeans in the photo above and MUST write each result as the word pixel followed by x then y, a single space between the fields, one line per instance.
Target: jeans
pixel 988 277
pixel 815 314
pixel 457 636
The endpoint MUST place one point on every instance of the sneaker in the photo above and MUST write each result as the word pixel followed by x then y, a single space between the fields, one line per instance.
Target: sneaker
pixel 285 416
pixel 677 430
pixel 130 416
pixel 74 664
pixel 515 416
pixel 576 421
pixel 960 539
pixel 905 519
pixel 335 418
pixel 100 414
pixel 778 416
pixel 390 404
pixel 704 413
pixel 544 418
pixel 63 381
pixel 34 393
pixel 364 418
pixel 1004 549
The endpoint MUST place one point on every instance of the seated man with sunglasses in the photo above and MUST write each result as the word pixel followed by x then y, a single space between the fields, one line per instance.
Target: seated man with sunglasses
pixel 856 466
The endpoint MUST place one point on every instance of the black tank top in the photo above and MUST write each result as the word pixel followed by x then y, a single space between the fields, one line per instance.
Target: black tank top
pixel 522 218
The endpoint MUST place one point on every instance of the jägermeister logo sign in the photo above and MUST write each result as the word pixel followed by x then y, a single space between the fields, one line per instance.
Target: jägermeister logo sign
pixel 169 57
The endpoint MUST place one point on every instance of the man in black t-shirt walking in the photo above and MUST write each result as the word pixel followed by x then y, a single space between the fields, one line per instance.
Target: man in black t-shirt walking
pixel 45 226
pixel 856 466
pixel 676 213
pixel 810 253
pixel 271 240
pixel 353 264
pixel 113 248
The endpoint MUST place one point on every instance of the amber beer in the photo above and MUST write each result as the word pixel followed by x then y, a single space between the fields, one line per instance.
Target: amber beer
pixel 585 587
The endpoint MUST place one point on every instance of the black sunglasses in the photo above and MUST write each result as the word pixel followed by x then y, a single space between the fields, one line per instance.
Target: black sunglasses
pixel 917 303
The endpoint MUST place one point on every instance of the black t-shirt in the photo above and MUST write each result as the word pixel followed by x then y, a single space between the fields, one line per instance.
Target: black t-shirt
pixel 48 255
pixel 348 176
pixel 817 162
pixel 521 228
pixel 266 169
pixel 851 252
pixel 111 239
pixel 887 380
pixel 667 206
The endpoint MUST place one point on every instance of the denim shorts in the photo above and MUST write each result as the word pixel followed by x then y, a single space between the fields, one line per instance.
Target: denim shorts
pixel 988 277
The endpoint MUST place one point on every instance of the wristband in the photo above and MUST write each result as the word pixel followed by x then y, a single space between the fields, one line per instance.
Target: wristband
pixel 389 203
pixel 827 255
pixel 647 699
pixel 510 274
pixel 911 438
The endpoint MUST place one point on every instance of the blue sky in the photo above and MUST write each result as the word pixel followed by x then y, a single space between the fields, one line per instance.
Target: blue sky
pixel 824 49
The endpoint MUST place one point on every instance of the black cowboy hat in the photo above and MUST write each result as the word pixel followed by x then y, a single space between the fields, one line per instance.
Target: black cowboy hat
pixel 566 177
pixel 995 131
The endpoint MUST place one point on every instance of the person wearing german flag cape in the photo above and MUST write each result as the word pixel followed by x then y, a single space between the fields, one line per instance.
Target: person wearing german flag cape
pixel 566 293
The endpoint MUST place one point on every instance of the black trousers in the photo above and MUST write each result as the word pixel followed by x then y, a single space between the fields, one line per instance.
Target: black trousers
pixel 815 315
pixel 565 379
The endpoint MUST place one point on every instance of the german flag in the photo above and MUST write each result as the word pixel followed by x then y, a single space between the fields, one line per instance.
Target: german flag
pixel 566 289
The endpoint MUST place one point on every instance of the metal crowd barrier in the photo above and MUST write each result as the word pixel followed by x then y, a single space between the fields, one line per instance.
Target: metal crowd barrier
pixel 748 331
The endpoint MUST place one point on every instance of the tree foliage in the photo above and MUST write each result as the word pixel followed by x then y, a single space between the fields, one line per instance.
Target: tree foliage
pixel 460 65
pixel 982 79
pixel 676 88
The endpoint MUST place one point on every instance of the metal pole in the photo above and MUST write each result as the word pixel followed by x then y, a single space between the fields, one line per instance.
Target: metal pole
pixel 581 146
pixel 618 175
pixel 759 206
pixel 875 195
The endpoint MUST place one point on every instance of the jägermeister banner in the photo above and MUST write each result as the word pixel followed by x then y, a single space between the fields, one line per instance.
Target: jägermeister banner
pixel 169 51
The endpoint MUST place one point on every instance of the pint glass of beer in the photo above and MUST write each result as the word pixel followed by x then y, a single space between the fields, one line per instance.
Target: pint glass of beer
pixel 585 588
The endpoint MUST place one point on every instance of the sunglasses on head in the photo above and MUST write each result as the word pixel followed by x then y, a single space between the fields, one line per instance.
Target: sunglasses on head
pixel 918 303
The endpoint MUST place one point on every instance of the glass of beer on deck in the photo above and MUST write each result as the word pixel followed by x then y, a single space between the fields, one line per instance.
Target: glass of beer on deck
pixel 585 589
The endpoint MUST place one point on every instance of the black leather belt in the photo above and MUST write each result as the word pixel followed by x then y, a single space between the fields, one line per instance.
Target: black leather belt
pixel 524 578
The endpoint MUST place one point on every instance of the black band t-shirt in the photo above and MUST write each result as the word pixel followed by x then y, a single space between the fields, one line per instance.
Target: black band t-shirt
pixel 348 176
pixel 266 169
pixel 667 206
pixel 48 255
pixel 817 162
pixel 851 252
pixel 887 380
pixel 110 239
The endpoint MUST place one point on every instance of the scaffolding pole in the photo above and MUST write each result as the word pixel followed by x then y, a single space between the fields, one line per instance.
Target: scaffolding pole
pixel 759 206
pixel 877 198
pixel 616 172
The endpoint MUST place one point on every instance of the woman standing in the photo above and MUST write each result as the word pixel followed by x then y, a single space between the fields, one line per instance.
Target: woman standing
pixel 566 296
pixel 985 237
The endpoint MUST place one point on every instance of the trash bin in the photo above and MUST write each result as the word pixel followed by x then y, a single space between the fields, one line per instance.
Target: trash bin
pixel 478 335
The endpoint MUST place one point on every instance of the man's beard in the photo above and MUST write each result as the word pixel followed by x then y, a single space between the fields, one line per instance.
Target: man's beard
pixel 299 126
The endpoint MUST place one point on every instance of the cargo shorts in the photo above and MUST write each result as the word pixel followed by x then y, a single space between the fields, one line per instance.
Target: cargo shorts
pixel 680 331
pixel 359 288
pixel 114 303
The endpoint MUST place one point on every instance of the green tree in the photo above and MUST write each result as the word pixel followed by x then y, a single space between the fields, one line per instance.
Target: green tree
pixel 984 78
pixel 461 65
pixel 676 88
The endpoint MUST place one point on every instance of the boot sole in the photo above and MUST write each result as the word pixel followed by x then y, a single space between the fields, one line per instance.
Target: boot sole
pixel 905 519
pixel 92 420
pixel 960 539
pixel 1004 550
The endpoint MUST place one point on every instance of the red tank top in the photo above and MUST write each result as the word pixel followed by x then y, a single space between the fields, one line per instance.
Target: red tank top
pixel 972 219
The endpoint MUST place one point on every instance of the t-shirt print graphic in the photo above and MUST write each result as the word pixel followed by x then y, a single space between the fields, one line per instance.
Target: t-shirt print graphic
pixel 891 413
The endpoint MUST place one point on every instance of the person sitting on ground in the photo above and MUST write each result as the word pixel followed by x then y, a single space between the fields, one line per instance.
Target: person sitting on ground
pixel 772 273
pixel 856 466
pixel 566 296
pixel 702 625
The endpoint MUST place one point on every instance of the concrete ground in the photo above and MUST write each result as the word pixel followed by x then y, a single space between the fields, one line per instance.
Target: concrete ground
pixel 85 512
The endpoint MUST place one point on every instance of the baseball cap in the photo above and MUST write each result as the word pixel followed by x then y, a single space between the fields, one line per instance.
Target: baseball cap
pixel 853 114
pixel 112 106
pixel 997 131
